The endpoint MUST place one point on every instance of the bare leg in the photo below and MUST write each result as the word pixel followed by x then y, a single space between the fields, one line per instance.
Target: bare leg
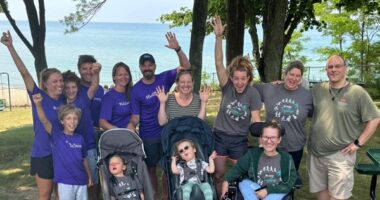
pixel 153 179
pixel 45 188
pixel 94 192
pixel 324 195
pixel 220 169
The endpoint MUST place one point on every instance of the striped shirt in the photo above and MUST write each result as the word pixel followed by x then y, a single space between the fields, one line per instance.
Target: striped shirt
pixel 175 110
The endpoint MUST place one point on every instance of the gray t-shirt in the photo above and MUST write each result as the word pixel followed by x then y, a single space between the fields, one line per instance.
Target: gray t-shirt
pixel 339 119
pixel 192 164
pixel 234 116
pixel 289 107
pixel 174 110
pixel 269 170
pixel 124 184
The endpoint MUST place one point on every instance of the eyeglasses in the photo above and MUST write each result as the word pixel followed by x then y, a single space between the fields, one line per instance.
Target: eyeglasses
pixel 183 150
pixel 273 139
pixel 337 66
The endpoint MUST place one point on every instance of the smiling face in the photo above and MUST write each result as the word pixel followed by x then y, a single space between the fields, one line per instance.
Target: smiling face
pixel 121 78
pixel 240 80
pixel 117 166
pixel 270 139
pixel 293 79
pixel 186 150
pixel 54 85
pixel 148 69
pixel 71 91
pixel 70 122
pixel 185 84
pixel 85 72
pixel 336 70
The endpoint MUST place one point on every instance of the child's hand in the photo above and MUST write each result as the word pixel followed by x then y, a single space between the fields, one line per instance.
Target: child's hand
pixel 213 155
pixel 37 98
pixel 174 158
pixel 6 39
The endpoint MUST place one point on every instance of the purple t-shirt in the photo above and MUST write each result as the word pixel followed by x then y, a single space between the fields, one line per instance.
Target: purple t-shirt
pixel 145 103
pixel 96 103
pixel 116 109
pixel 68 154
pixel 41 144
pixel 85 127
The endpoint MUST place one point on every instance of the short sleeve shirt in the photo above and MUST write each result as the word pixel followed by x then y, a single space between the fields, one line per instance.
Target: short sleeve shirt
pixel 116 108
pixel 192 164
pixel 124 184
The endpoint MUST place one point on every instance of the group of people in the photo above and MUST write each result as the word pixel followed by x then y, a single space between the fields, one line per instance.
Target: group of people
pixel 69 111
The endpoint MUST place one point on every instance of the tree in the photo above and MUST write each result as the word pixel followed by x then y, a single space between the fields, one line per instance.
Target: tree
pixel 37 27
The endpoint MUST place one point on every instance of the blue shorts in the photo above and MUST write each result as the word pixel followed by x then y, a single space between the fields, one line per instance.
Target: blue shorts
pixel 92 157
pixel 232 146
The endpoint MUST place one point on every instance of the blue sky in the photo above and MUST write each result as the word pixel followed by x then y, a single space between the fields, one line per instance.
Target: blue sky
pixel 146 11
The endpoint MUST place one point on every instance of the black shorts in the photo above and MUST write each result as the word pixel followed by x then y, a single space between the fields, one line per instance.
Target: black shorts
pixel 43 167
pixel 153 151
pixel 232 146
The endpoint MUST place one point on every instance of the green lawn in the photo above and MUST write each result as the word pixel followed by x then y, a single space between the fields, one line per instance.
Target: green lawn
pixel 16 138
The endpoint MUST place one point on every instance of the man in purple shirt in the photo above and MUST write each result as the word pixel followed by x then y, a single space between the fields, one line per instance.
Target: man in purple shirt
pixel 145 106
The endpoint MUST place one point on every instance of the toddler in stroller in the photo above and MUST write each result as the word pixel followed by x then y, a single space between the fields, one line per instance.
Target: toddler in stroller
pixel 124 185
pixel 191 169
pixel 123 148
pixel 199 133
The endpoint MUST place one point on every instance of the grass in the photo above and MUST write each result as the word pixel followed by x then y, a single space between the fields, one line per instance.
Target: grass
pixel 16 137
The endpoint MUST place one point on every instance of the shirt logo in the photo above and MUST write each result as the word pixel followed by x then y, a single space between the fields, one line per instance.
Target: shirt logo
pixel 123 103
pixel 287 110
pixel 237 111
pixel 74 145
pixel 149 96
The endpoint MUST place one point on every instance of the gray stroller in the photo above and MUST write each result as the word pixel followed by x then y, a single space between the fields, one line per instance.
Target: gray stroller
pixel 128 144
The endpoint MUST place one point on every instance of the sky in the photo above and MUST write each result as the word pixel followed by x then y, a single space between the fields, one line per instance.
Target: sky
pixel 142 11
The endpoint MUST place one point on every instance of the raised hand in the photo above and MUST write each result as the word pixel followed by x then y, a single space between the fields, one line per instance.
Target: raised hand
pixel 172 41
pixel 96 67
pixel 205 93
pixel 37 98
pixel 213 155
pixel 6 39
pixel 161 95
pixel 218 26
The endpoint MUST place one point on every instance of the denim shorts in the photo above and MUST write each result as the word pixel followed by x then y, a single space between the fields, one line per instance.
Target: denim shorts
pixel 232 146
pixel 92 157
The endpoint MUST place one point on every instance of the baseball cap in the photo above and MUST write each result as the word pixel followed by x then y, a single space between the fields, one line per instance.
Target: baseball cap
pixel 146 57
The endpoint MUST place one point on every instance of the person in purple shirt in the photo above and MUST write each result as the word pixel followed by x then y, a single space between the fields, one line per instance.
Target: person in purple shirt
pixel 116 111
pixel 145 106
pixel 52 86
pixel 85 63
pixel 71 169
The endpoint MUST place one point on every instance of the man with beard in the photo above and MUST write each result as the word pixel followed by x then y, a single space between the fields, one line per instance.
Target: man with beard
pixel 85 63
pixel 145 106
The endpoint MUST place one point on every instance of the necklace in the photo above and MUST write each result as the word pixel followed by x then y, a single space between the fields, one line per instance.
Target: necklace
pixel 333 94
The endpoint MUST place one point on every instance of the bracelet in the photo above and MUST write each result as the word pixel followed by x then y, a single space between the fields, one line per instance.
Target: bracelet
pixel 178 49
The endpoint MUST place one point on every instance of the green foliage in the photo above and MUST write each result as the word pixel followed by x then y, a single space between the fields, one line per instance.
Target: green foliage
pixel 85 11
pixel 183 17
pixel 294 48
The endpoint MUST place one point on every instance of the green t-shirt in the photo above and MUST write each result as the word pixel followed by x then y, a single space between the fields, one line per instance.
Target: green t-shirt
pixel 339 117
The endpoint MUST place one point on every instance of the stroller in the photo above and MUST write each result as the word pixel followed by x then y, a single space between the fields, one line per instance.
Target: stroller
pixel 200 133
pixel 128 144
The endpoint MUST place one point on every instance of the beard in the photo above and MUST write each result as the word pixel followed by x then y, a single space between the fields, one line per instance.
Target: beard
pixel 148 74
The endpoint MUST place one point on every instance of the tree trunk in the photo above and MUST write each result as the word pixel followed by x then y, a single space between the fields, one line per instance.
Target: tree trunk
pixel 198 33
pixel 235 29
pixel 274 12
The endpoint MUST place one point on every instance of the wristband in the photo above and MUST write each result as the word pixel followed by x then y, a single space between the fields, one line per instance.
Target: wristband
pixel 178 49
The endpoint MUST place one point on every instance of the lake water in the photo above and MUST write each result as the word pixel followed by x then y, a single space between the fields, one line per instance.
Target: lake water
pixel 114 42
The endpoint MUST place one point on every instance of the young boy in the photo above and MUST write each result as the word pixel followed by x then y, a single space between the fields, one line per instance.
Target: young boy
pixel 123 186
pixel 271 173
pixel 185 150
pixel 71 170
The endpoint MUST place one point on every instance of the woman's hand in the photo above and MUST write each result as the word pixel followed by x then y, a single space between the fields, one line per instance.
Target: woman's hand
pixel 6 39
pixel 161 95
pixel 224 189
pixel 218 26
pixel 205 93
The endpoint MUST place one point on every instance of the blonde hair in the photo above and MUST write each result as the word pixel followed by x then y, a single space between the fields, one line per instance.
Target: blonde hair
pixel 67 109
pixel 182 141
pixel 242 64
pixel 45 75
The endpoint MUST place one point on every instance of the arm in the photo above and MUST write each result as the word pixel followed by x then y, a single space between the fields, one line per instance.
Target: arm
pixel 175 169
pixel 87 168
pixel 142 196
pixel 135 119
pixel 163 98
pixel 369 130
pixel 211 165
pixel 96 67
pixel 255 116
pixel 37 99
pixel 6 39
pixel 184 62
pixel 220 69
pixel 104 124
pixel 204 96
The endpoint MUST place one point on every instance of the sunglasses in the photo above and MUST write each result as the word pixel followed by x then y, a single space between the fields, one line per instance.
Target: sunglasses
pixel 183 150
